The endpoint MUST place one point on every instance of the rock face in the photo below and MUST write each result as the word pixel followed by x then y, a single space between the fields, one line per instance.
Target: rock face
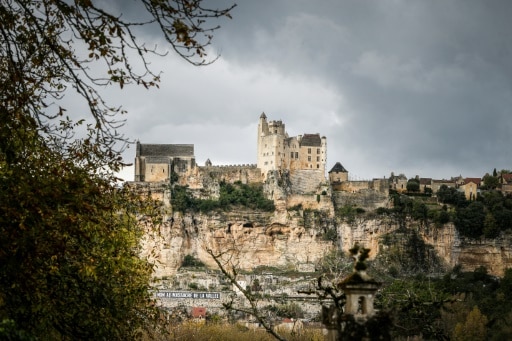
pixel 301 230
pixel 296 239
pixel 494 254
pixel 251 238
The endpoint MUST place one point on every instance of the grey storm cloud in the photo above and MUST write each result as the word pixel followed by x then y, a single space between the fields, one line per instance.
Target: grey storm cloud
pixel 415 87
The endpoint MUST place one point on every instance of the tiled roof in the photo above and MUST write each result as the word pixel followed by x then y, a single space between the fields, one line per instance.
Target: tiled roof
pixel 444 181
pixel 474 180
pixel 507 177
pixel 338 168
pixel 169 150
pixel 425 181
pixel 311 140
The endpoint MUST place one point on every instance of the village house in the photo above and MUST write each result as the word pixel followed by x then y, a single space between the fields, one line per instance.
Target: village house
pixel 471 188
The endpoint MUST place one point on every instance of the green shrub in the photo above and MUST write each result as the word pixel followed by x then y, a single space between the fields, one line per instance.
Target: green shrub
pixel 191 261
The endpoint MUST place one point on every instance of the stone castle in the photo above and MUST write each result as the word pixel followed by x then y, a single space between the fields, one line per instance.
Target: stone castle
pixel 298 161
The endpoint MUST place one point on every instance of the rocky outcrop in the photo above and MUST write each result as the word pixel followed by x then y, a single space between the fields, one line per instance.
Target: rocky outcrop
pixel 296 239
pixel 494 254
pixel 249 238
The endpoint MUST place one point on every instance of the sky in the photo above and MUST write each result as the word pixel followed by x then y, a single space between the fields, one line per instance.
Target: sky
pixel 414 87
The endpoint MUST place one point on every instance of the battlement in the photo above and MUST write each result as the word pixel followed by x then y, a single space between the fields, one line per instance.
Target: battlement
pixel 230 166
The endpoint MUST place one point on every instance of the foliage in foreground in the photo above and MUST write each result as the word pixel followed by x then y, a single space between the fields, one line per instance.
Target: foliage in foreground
pixel 69 238
pixel 456 306
pixel 195 331
pixel 69 242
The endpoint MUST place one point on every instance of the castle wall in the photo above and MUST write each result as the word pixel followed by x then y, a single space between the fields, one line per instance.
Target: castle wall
pixel 355 186
pixel 155 172
pixel 367 199
pixel 306 181
pixel 246 174
pixel 310 201
pixel 157 190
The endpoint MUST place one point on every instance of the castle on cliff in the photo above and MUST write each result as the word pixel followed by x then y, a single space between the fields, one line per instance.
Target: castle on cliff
pixel 297 161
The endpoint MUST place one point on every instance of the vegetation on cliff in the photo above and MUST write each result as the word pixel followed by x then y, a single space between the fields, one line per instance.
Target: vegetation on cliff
pixel 231 195
pixel 487 216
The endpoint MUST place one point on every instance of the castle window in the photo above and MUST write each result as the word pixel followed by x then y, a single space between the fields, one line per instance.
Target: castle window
pixel 318 159
pixel 318 150
pixel 291 155
pixel 317 165
pixel 309 150
pixel 309 158
pixel 296 155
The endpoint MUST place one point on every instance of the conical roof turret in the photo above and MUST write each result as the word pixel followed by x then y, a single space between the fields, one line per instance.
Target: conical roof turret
pixel 338 168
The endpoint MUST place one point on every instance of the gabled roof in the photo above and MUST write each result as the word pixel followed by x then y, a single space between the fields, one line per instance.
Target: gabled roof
pixel 167 150
pixel 507 177
pixel 338 168
pixel 311 140
pixel 473 180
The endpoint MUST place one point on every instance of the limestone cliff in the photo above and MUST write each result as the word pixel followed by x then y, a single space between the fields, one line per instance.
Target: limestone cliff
pixel 252 238
pixel 301 230
pixel 494 254
pixel 296 239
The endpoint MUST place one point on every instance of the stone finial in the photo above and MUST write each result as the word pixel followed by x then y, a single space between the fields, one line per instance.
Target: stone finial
pixel 359 287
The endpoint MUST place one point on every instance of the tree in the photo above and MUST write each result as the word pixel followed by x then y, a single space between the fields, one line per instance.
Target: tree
pixel 71 265
pixel 470 220
pixel 450 195
pixel 69 236
pixel 225 261
pixel 473 329
pixel 490 229
pixel 413 185
pixel 491 182
pixel 50 48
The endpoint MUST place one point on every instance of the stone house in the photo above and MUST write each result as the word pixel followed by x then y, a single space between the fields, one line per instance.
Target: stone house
pixel 506 183
pixel 398 182
pixel 425 183
pixel 471 188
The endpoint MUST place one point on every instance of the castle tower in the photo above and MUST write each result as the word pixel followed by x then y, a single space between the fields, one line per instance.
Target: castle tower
pixel 271 145
pixel 277 151
pixel 338 174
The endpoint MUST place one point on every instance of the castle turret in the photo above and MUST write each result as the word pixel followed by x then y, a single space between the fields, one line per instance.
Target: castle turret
pixel 338 174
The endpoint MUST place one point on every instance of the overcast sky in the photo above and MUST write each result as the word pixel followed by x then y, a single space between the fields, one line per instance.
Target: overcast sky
pixel 415 87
